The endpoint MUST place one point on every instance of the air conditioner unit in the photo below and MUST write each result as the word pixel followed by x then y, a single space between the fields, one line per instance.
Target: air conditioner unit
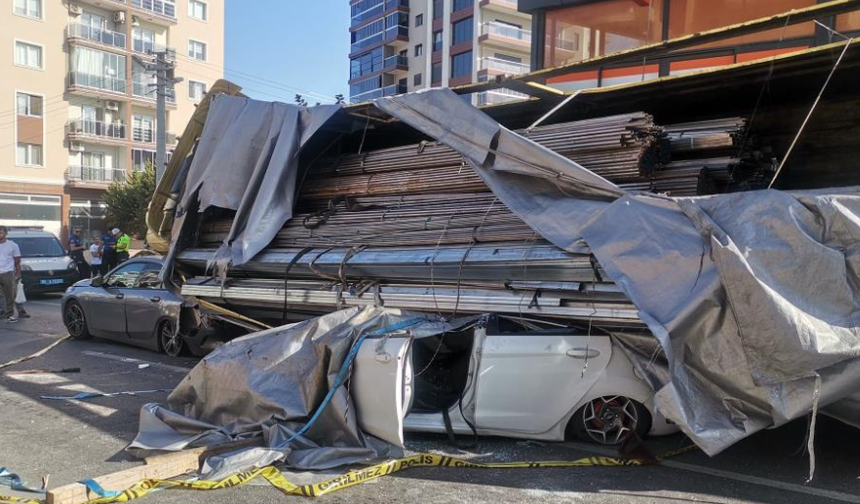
pixel 119 17
pixel 112 105
pixel 76 147
pixel 75 9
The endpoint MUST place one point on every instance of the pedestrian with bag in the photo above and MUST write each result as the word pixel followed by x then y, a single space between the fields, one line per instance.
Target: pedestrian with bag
pixel 123 245
pixel 10 273
pixel 76 250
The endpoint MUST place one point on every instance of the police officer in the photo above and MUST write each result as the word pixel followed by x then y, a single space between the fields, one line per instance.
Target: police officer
pixel 108 250
pixel 76 250
pixel 123 244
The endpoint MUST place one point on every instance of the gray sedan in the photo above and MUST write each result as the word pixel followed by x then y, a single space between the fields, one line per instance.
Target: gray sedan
pixel 128 305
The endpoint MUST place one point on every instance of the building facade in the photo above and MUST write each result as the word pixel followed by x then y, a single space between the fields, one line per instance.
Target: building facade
pixel 399 46
pixel 79 108
pixel 568 31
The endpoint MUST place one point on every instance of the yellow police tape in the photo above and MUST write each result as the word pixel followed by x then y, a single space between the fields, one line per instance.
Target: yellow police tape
pixel 352 478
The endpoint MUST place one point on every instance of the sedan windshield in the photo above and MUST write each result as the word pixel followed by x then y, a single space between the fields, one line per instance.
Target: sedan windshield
pixel 41 246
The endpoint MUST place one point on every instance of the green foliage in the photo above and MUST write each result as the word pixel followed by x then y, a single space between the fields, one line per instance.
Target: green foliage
pixel 127 202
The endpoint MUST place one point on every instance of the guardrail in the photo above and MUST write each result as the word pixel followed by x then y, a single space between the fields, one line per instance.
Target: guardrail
pixel 95 174
pixel 100 35
pixel 101 129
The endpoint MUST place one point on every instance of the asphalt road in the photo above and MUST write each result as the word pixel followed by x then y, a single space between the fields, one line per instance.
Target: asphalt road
pixel 70 440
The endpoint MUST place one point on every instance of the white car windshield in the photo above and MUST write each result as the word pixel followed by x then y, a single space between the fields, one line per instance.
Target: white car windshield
pixel 39 246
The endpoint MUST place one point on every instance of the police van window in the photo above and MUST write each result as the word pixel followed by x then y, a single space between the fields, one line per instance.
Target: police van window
pixel 39 246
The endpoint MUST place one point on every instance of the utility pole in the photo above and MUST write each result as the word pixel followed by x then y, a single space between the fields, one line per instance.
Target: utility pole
pixel 164 87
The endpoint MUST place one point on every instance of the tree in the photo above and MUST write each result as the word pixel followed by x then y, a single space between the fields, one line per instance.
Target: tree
pixel 300 101
pixel 127 202
pixel 339 98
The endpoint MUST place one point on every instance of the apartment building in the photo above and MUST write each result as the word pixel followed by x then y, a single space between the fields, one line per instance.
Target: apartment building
pixel 568 31
pixel 79 109
pixel 399 46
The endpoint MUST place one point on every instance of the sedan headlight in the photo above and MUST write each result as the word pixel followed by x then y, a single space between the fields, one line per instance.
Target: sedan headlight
pixel 71 265
pixel 24 267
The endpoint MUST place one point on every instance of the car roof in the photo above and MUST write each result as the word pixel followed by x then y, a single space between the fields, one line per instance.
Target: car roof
pixel 29 232
pixel 146 258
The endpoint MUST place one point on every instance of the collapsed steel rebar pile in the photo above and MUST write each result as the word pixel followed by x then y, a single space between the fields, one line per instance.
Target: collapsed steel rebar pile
pixel 415 227
pixel 709 157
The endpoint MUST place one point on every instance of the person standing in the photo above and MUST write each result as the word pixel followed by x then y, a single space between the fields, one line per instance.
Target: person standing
pixel 123 244
pixel 96 257
pixel 10 272
pixel 76 250
pixel 108 251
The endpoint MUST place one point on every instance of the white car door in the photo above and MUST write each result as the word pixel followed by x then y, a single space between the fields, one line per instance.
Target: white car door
pixel 527 382
pixel 382 386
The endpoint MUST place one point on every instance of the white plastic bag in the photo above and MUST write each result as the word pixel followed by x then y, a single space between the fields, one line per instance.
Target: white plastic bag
pixel 20 298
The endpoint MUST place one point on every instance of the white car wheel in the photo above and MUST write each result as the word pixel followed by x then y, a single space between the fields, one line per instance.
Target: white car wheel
pixel 611 420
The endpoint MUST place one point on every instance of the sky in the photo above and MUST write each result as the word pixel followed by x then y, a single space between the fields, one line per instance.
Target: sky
pixel 282 47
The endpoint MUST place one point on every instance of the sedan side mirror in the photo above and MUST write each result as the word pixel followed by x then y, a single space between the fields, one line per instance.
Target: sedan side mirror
pixel 98 281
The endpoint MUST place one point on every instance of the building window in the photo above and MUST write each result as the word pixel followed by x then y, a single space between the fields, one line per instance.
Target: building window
pixel 28 55
pixel 29 105
pixel 29 154
pixel 417 79
pixel 438 9
pixel 461 31
pixel 461 64
pixel 197 9
pixel 436 73
pixel 143 128
pixel 461 4
pixel 196 50
pixel 419 50
pixel 29 8
pixel 97 69
pixel 143 40
pixel 141 158
pixel 437 41
pixel 196 90
pixel 419 20
pixel 365 64
pixel 27 207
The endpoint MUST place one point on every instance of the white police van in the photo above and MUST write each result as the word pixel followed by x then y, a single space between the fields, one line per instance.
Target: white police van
pixel 45 265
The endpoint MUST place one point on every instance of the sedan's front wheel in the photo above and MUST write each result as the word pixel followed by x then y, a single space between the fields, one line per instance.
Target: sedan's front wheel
pixel 170 339
pixel 76 321
pixel 611 420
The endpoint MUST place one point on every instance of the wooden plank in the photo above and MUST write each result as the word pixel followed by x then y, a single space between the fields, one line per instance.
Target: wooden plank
pixel 164 466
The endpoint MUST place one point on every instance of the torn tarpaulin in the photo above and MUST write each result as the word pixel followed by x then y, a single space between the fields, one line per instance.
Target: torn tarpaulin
pixel 247 161
pixel 751 295
pixel 269 384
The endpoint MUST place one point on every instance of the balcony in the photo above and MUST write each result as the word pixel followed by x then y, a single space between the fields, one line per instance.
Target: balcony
pixel 149 49
pixel 94 176
pixel 96 131
pixel 156 11
pixel 97 85
pixel 102 37
pixel 505 35
pixel 506 6
pixel 498 96
pixel 143 135
pixel 394 89
pixel 498 66
pixel 395 64
pixel 145 92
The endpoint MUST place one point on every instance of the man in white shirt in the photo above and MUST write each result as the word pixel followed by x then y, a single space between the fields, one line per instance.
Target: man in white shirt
pixel 96 256
pixel 10 272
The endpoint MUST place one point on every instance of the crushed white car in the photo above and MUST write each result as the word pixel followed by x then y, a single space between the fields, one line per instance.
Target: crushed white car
pixel 504 376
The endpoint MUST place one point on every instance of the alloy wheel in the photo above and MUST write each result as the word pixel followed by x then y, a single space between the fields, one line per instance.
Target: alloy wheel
pixel 171 340
pixel 610 420
pixel 75 321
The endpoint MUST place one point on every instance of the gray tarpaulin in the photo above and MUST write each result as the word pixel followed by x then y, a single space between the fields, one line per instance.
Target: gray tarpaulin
pixel 268 384
pixel 247 161
pixel 754 297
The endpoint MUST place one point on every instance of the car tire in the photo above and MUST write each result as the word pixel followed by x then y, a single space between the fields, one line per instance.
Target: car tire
pixel 169 339
pixel 610 420
pixel 75 321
